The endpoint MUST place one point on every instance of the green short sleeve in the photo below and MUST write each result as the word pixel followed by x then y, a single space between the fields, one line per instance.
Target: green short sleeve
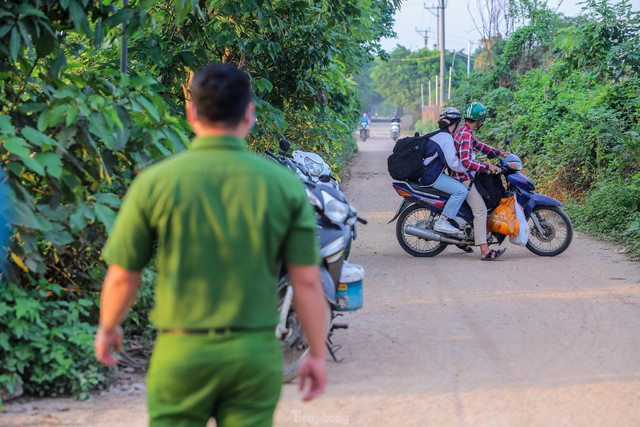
pixel 301 246
pixel 130 244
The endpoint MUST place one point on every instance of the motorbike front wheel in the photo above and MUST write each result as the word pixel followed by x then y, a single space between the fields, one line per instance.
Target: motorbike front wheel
pixel 363 135
pixel 557 231
pixel 420 217
pixel 293 343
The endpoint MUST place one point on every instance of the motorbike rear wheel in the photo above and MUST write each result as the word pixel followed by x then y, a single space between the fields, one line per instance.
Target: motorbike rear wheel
pixel 421 217
pixel 294 344
pixel 557 231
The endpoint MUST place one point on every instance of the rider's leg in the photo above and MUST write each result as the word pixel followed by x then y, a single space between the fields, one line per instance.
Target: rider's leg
pixel 458 193
pixel 479 209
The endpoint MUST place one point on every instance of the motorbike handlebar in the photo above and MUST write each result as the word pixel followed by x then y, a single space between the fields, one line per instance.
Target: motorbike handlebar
pixel 362 220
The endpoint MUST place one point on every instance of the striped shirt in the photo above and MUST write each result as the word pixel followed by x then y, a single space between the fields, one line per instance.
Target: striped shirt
pixel 466 144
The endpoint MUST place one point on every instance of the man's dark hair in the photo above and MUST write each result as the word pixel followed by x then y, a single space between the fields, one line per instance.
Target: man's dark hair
pixel 220 94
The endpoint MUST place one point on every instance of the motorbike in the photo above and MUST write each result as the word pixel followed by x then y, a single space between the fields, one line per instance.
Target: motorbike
pixel 395 131
pixel 364 131
pixel 336 225
pixel 310 165
pixel 550 228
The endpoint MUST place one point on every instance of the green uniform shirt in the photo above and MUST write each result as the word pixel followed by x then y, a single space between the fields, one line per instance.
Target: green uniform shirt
pixel 222 218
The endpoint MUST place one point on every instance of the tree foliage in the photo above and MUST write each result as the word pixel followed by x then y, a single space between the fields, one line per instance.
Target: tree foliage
pixel 75 130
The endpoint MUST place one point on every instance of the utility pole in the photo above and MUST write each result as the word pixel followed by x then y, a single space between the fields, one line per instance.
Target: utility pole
pixel 450 72
pixel 440 45
pixel 436 87
pixel 424 109
pixel 425 35
pixel 442 99
pixel 468 58
pixel 437 15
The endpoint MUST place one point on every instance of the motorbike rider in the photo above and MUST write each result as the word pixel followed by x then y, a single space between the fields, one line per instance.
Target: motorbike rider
pixel 364 121
pixel 395 119
pixel 443 155
pixel 466 143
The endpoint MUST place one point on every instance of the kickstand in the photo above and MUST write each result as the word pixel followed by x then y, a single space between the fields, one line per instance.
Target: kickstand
pixel 333 348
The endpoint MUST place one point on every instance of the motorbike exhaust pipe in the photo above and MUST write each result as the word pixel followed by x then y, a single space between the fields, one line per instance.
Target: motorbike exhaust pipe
pixel 429 235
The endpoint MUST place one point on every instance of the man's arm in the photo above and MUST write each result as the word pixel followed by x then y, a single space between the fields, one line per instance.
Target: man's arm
pixel 310 305
pixel 484 148
pixel 119 292
pixel 465 153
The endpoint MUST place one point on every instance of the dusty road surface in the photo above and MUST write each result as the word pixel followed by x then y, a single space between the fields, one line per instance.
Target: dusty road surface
pixel 451 341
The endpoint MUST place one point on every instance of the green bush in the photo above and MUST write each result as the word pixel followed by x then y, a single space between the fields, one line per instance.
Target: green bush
pixel 612 210
pixel 47 345
pixel 47 342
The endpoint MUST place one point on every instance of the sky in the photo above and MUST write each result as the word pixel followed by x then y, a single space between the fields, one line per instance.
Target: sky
pixel 459 27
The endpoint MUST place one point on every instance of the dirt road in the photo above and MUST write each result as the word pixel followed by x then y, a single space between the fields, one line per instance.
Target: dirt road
pixel 452 341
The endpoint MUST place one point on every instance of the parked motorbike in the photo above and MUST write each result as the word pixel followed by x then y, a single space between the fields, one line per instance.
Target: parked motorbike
pixel 310 165
pixel 341 281
pixel 550 228
pixel 395 131
pixel 364 131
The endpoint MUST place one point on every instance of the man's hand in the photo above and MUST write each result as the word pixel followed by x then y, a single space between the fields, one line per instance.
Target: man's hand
pixel 118 294
pixel 105 342
pixel 494 169
pixel 313 369
pixel 505 154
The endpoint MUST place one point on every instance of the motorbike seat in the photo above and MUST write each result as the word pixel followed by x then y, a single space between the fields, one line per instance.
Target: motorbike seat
pixel 428 191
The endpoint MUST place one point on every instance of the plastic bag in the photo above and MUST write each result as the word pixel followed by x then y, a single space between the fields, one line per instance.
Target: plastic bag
pixel 503 218
pixel 523 232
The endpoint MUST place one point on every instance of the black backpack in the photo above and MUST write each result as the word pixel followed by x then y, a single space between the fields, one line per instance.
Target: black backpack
pixel 490 187
pixel 405 163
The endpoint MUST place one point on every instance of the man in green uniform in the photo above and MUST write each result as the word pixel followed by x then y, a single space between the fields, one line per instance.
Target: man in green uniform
pixel 222 219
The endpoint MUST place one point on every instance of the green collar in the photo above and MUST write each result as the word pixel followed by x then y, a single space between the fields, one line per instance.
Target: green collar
pixel 226 142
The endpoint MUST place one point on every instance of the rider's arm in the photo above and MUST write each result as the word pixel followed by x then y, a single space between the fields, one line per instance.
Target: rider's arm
pixel 464 141
pixel 451 157
pixel 486 149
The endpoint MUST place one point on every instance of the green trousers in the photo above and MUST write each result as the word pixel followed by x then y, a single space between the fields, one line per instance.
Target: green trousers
pixel 235 378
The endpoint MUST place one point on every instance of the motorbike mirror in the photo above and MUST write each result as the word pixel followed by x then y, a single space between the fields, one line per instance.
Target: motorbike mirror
pixel 284 144
pixel 325 178
pixel 507 140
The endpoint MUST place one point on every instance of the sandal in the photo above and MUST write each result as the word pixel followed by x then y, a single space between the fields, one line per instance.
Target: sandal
pixel 493 255
pixel 465 248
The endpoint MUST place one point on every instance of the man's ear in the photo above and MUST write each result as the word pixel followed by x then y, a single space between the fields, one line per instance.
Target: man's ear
pixel 250 114
pixel 192 114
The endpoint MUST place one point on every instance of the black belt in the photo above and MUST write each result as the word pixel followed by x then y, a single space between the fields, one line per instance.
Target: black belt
pixel 213 331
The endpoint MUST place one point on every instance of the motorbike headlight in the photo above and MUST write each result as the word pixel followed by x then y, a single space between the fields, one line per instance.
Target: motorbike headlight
pixel 516 166
pixel 314 168
pixel 513 162
pixel 334 209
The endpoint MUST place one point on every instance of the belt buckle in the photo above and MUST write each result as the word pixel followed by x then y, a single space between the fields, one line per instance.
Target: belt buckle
pixel 219 332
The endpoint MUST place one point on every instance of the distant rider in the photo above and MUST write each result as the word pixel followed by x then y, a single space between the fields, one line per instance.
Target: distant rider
pixel 440 156
pixel 364 122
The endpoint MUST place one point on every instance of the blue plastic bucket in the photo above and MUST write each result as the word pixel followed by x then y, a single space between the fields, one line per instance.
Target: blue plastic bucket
pixel 349 292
